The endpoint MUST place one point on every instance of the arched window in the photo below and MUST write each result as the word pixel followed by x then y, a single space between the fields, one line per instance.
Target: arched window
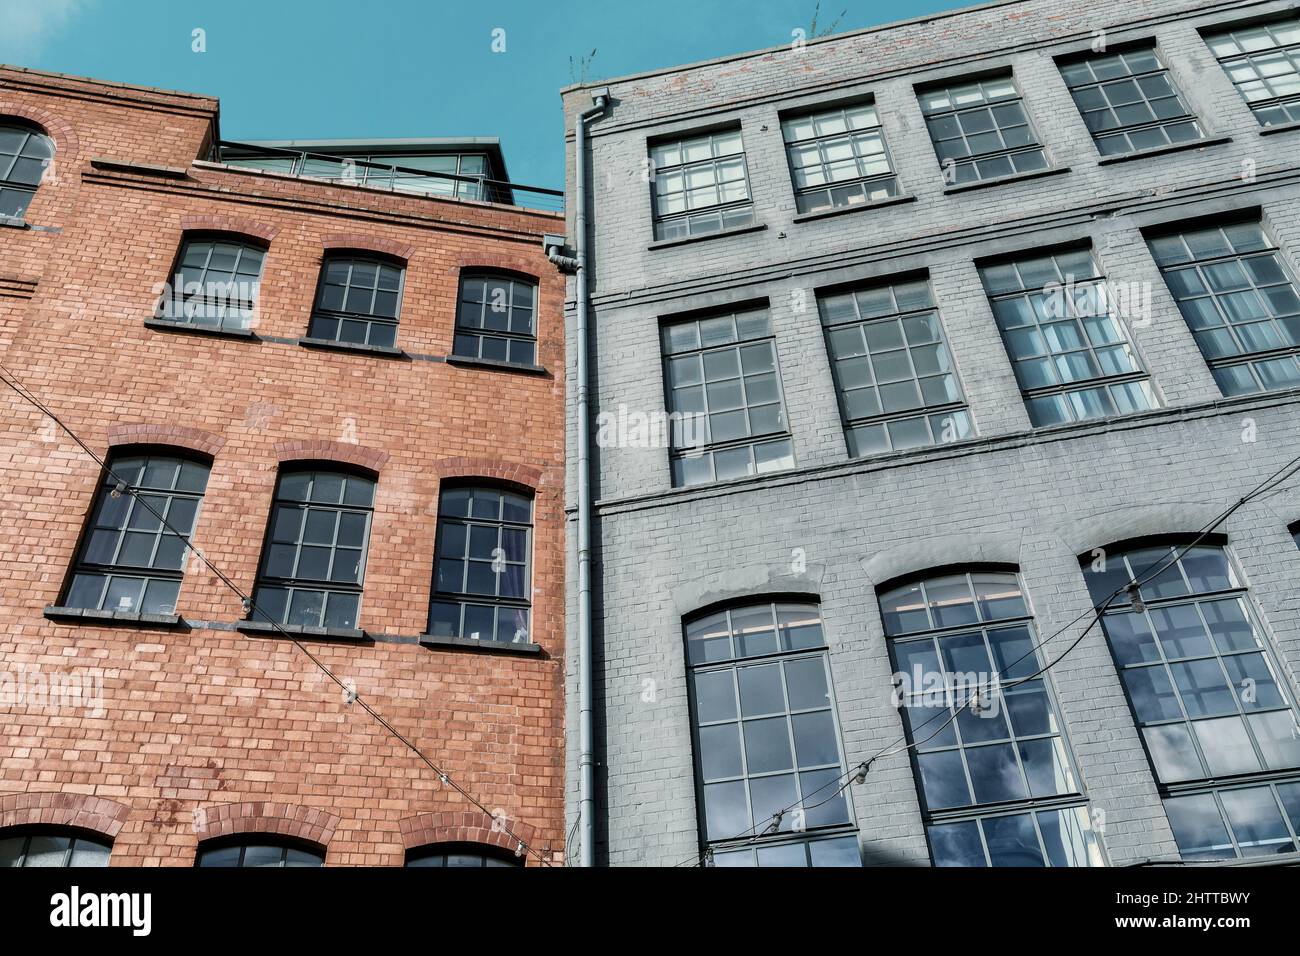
pixel 358 301
pixel 461 855
pixel 497 319
pixel 1217 717
pixel 765 739
pixel 257 849
pixel 314 558
pixel 215 284
pixel 25 152
pixel 52 847
pixel 997 780
pixel 483 565
pixel 132 554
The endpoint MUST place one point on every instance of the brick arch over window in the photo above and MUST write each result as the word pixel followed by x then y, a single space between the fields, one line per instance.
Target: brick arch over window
pixel 66 144
pixel 372 459
pixel 985 548
pixel 490 469
pixel 1100 530
pixel 311 824
pixel 97 814
pixel 359 242
pixel 756 583
pixel 177 436
pixel 231 225
pixel 523 265
pixel 463 826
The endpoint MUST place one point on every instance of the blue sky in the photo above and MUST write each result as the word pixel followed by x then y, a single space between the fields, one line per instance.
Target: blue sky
pixel 292 69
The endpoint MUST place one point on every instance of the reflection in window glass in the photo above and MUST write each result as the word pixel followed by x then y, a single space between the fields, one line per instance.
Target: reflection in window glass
pixel 1263 62
pixel 838 158
pixel 699 185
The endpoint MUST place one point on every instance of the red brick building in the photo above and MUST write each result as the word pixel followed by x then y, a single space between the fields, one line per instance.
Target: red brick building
pixel 381 389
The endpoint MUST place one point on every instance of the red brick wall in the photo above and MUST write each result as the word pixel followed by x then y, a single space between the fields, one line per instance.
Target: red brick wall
pixel 197 722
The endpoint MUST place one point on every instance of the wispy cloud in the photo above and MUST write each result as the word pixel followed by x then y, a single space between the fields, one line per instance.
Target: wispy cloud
pixel 26 26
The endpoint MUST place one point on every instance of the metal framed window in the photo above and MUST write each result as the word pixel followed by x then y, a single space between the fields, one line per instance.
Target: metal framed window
pixel 1263 62
pixel 497 319
pixel 215 284
pixel 1128 101
pixel 129 560
pixel 1062 331
pixel 1239 299
pixel 838 158
pixel 379 170
pixel 258 852
pixel 724 392
pixel 893 372
pixel 699 185
pixel 980 130
pixel 58 847
pixel 314 559
pixel 1202 683
pixel 766 738
pixel 483 566
pixel 24 155
pixel 461 855
pixel 998 783
pixel 358 301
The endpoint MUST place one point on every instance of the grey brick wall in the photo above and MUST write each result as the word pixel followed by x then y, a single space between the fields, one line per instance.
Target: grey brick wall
pixel 1037 498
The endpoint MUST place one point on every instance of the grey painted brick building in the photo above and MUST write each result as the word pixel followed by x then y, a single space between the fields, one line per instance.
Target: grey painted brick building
pixel 915 437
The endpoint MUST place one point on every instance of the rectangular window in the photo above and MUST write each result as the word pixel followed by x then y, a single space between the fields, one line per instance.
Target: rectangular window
pixel 1207 696
pixel 1070 351
pixel 483 569
pixel 215 285
pixel 980 130
pixel 767 752
pixel 838 158
pixel 724 393
pixel 1128 101
pixel 358 302
pixel 700 185
pixel 896 382
pixel 965 636
pixel 496 319
pixel 1240 300
pixel 1263 61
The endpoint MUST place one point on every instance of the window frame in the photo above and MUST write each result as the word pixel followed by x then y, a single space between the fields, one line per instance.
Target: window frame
pixel 74 835
pixel 688 215
pixel 482 333
pixel 246 310
pixel 291 585
pixel 1287 103
pixel 864 181
pixel 924 411
pixel 1031 396
pixel 464 599
pixel 709 448
pixel 977 811
pixel 31 131
pixel 753 838
pixel 1125 131
pixel 490 857
pixel 258 839
pixel 354 257
pixel 971 160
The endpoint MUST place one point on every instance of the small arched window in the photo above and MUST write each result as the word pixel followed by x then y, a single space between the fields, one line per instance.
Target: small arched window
pixel 25 153
pixel 215 284
pixel 258 850
pixel 472 855
pixel 497 319
pixel 52 847
pixel 132 554
pixel 315 554
pixel 358 302
pixel 483 569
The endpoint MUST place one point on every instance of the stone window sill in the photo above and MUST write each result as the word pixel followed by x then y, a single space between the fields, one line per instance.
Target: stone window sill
pixel 1006 180
pixel 335 346
pixel 859 207
pixel 168 325
pixel 475 362
pixel 85 615
pixel 1162 150
pixel 1279 128
pixel 13 222
pixel 495 647
pixel 702 237
pixel 297 630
